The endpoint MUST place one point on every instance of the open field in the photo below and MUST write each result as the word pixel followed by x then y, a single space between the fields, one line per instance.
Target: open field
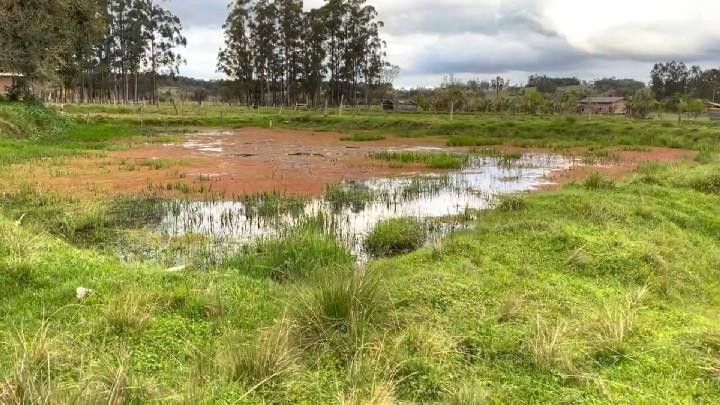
pixel 588 272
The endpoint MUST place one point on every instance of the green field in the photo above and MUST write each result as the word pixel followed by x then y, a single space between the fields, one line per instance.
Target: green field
pixel 600 292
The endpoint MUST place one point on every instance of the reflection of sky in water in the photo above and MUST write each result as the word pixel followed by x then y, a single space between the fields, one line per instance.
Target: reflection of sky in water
pixel 476 187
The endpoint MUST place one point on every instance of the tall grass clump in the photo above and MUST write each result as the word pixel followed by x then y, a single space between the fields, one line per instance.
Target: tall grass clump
pixel 424 358
pixel 617 323
pixel 371 378
pixel 511 203
pixel 708 183
pixel 470 393
pixel 302 252
pixel 130 312
pixel 28 381
pixel 546 345
pixel 272 355
pixel 340 308
pixel 597 181
pixel 395 237
pixel 112 381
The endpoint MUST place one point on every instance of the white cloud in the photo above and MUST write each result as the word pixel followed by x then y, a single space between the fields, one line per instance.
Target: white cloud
pixel 637 28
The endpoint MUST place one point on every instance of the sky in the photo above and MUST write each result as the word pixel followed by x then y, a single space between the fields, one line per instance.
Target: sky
pixel 481 39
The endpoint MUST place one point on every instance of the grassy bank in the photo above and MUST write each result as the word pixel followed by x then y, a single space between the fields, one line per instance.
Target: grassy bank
pixel 462 130
pixel 600 292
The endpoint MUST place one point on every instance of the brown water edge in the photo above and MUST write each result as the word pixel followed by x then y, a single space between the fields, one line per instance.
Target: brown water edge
pixel 255 160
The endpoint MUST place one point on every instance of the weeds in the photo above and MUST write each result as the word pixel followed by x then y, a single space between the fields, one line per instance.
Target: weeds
pixel 423 357
pixel 395 237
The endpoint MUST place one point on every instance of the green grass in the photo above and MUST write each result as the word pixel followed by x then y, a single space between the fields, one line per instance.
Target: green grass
pixel 304 251
pixel 430 160
pixel 600 292
pixel 353 196
pixel 464 130
pixel 395 236
pixel 363 138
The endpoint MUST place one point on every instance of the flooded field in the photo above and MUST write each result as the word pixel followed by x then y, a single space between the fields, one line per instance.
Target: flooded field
pixel 350 210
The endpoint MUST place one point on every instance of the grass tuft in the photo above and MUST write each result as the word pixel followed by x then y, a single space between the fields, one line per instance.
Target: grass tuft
pixel 272 355
pixel 28 381
pixel 395 237
pixel 341 307
pixel 546 345
pixel 130 312
pixel 597 181
pixel 616 324
pixel 511 203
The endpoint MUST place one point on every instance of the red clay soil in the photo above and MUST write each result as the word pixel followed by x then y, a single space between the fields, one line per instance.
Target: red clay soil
pixel 253 160
pixel 243 161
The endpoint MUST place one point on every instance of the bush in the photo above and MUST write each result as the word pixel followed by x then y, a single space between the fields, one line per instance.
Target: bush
pixel 395 237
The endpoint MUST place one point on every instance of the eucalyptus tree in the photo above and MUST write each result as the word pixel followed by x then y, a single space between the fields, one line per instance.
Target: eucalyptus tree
pixel 162 35
pixel 280 50
pixel 236 57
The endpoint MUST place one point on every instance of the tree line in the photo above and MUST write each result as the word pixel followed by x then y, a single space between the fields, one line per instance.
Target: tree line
pixel 278 54
pixel 673 80
pixel 90 50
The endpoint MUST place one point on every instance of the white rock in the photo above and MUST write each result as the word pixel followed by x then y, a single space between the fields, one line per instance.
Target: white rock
pixel 81 293
pixel 176 269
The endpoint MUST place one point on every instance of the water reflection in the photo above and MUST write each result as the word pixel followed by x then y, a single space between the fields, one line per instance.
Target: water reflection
pixel 363 204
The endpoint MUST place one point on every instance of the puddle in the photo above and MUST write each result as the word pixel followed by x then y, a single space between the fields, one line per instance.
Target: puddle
pixel 365 203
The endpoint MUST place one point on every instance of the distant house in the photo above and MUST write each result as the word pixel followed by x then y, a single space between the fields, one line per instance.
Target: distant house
pixel 7 81
pixel 399 106
pixel 713 111
pixel 603 105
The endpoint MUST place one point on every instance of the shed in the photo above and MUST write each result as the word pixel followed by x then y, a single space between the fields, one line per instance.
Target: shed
pixel 603 105
pixel 713 111
pixel 7 81
pixel 399 106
